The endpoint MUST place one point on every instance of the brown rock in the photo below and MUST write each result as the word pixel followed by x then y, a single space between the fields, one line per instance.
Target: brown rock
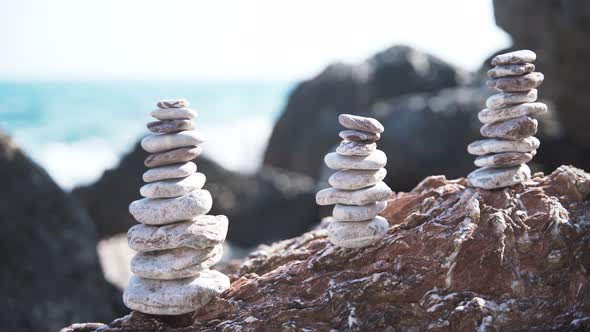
pixel 359 136
pixel 173 156
pixel 516 83
pixel 177 103
pixel 170 126
pixel 361 123
pixel 506 159
pixel 514 129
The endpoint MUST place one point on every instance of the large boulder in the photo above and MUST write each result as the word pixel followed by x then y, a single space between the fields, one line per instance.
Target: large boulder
pixel 455 259
pixel 50 272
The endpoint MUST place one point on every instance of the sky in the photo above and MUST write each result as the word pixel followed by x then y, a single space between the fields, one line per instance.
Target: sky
pixel 231 39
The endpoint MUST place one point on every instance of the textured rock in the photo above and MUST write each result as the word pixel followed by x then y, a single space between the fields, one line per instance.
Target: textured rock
pixel 506 159
pixel 360 123
pixel 358 213
pixel 516 57
pixel 170 172
pixel 493 178
pixel 359 136
pixel 348 148
pixel 374 161
pixel 516 83
pixel 201 232
pixel 164 211
pixel 504 99
pixel 497 115
pixel 158 143
pixel 356 179
pixel 181 155
pixel 173 187
pixel 353 234
pixel 511 70
pixel 493 145
pixel 331 196
pixel 173 113
pixel 170 126
pixel 514 129
pixel 173 103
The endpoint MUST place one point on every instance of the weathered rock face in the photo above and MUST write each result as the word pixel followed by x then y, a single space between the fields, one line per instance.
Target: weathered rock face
pixel 454 259
pixel 50 273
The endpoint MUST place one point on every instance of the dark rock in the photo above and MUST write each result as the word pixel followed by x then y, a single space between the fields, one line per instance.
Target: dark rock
pixel 50 274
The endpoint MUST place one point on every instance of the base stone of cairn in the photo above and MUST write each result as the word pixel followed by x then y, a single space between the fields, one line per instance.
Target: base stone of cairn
pixel 508 123
pixel 177 242
pixel 357 188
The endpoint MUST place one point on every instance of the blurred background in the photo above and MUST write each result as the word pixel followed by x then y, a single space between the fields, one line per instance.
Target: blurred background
pixel 268 79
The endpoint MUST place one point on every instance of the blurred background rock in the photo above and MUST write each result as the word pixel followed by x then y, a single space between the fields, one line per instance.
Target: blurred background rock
pixel 269 117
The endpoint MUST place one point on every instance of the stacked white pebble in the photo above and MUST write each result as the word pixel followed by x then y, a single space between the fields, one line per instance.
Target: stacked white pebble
pixel 357 189
pixel 176 241
pixel 509 123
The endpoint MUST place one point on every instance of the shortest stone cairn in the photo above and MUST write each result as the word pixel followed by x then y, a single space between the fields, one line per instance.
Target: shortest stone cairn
pixel 358 190
pixel 509 123
pixel 176 241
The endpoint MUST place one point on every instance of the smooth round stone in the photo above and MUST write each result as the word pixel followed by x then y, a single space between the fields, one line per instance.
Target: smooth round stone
pixel 175 263
pixel 376 193
pixel 492 145
pixel 511 70
pixel 174 297
pixel 173 103
pixel 170 172
pixel 162 211
pixel 516 83
pixel 170 126
pixel 165 142
pixel 361 123
pixel 349 148
pixel 358 213
pixel 173 187
pixel 504 99
pixel 498 177
pixel 516 57
pixel 515 129
pixel 351 179
pixel 490 115
pixel 173 113
pixel 359 136
pixel 506 159
pixel 376 160
pixel 357 234
pixel 202 232
pixel 173 157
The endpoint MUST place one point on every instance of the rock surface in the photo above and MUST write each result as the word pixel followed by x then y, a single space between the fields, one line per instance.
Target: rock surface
pixel 454 259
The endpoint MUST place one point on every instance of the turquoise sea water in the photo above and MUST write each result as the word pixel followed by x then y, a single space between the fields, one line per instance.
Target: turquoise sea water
pixel 78 129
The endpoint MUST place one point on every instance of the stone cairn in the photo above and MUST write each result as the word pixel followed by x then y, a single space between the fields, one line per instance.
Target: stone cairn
pixel 176 241
pixel 508 121
pixel 357 189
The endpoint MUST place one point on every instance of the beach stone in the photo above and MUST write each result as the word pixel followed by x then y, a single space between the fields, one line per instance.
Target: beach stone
pixel 357 234
pixel 170 126
pixel 351 179
pixel 173 157
pixel 516 83
pixel 331 196
pixel 174 297
pixel 165 142
pixel 175 263
pixel 515 129
pixel 506 159
pixel 493 145
pixel 511 70
pixel 359 136
pixel 170 172
pixel 350 148
pixel 498 177
pixel 173 113
pixel 516 57
pixel 490 115
pixel 361 123
pixel 173 187
pixel 343 212
pixel 173 103
pixel 376 160
pixel 201 232
pixel 162 211
pixel 504 99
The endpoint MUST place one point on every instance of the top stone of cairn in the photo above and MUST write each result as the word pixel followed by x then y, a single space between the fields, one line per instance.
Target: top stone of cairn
pixel 176 103
pixel 355 122
pixel 516 57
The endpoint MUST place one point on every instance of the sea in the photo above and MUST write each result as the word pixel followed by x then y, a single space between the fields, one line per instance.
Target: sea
pixel 78 129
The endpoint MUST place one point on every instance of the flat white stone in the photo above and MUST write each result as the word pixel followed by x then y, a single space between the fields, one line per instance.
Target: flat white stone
pixel 170 172
pixel 202 232
pixel 175 263
pixel 158 143
pixel 516 57
pixel 351 148
pixel 376 193
pixel 491 115
pixel 361 123
pixel 162 211
pixel 358 213
pixel 506 159
pixel 174 297
pixel 352 179
pixel 493 145
pixel 376 160
pixel 173 187
pixel 504 99
pixel 498 177
pixel 511 70
pixel 357 234
pixel 173 113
